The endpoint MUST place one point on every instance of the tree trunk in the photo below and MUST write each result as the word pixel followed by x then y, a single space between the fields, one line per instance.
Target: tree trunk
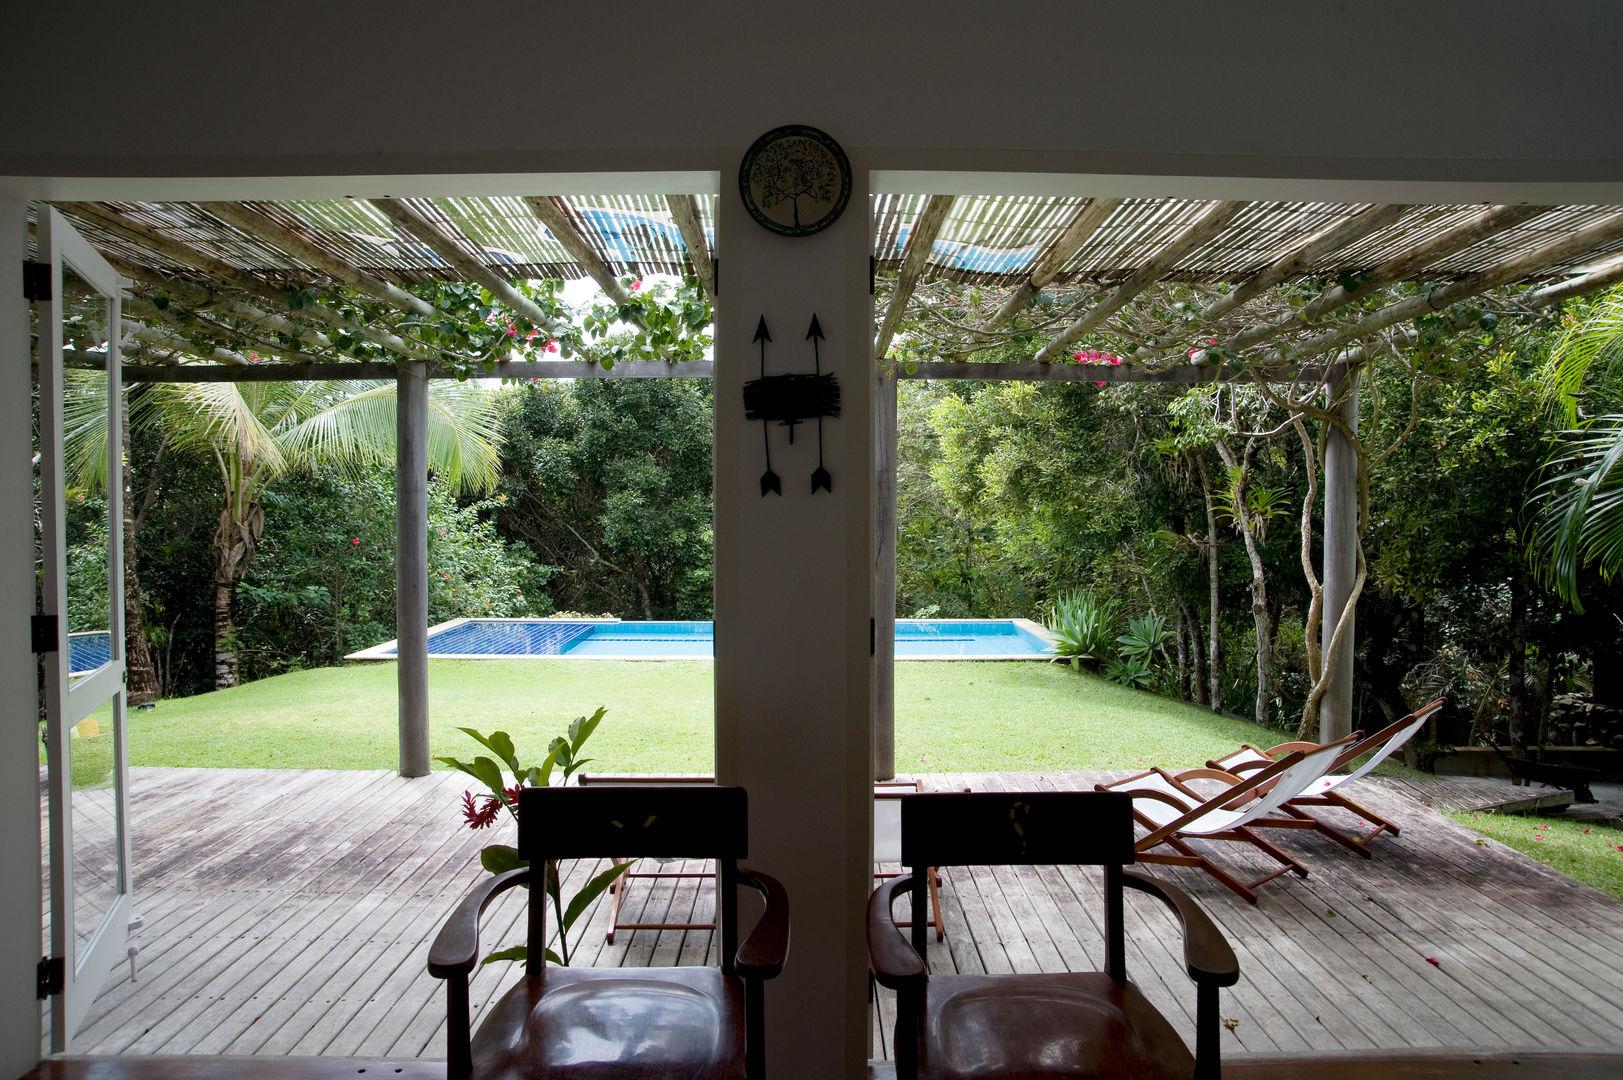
pixel 1213 663
pixel 1183 659
pixel 1197 674
pixel 234 542
pixel 225 636
pixel 141 679
pixel 1516 673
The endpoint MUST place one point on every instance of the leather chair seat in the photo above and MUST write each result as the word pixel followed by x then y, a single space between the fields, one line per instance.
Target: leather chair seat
pixel 1077 1024
pixel 615 1023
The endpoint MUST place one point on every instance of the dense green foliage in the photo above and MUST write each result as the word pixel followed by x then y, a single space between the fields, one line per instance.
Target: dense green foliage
pixel 608 481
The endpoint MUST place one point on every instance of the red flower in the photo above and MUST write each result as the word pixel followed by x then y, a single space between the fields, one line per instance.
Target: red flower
pixel 552 345
pixel 479 817
pixel 1433 961
pixel 356 541
pixel 635 285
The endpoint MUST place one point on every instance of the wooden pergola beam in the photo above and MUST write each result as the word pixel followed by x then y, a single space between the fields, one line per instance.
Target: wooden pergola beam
pixel 142 308
pixel 1571 289
pixel 1574 245
pixel 1299 259
pixel 226 361
pixel 1488 223
pixel 227 274
pixel 920 241
pixel 378 371
pixel 409 221
pixel 1082 226
pixel 550 212
pixel 685 212
pixel 1199 232
pixel 268 231
pixel 1099 373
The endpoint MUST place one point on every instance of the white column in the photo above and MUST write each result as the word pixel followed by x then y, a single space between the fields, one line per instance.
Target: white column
pixel 794 600
pixel 411 565
pixel 1340 567
pixel 20 898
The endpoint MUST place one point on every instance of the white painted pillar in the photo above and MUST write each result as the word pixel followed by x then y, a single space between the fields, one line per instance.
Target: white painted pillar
pixel 411 565
pixel 794 600
pixel 1340 568
pixel 884 574
pixel 21 945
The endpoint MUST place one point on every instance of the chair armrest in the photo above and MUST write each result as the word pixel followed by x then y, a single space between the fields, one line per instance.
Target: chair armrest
pixel 1206 953
pixel 456 947
pixel 895 964
pixel 764 951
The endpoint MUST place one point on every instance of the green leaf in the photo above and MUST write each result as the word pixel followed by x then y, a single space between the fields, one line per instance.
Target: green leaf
pixel 498 741
pixel 517 952
pixel 550 955
pixel 459 765
pixel 582 728
pixel 551 761
pixel 489 774
pixel 500 858
pixel 591 891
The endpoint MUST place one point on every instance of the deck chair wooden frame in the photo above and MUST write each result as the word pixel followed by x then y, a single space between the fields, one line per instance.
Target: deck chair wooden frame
pixel 1174 813
pixel 1380 746
pixel 883 790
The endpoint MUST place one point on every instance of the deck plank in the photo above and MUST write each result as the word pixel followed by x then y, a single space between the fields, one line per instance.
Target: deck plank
pixel 290 913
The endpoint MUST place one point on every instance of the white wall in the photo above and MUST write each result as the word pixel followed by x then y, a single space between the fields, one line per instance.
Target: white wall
pixel 1445 89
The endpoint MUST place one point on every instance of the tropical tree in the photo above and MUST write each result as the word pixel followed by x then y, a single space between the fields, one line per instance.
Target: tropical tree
pixel 255 432
pixel 1579 500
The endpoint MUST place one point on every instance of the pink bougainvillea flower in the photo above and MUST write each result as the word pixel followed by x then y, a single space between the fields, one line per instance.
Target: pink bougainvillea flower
pixel 635 285
pixel 531 336
pixel 1434 962
pixel 552 345
pixel 479 817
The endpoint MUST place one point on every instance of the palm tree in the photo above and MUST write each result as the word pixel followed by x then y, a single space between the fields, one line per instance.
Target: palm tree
pixel 1578 502
pixel 255 432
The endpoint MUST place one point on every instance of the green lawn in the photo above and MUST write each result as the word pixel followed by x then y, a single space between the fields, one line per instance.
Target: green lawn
pixel 1589 852
pixel 949 717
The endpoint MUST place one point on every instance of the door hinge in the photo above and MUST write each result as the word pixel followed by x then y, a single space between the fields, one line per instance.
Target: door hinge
pixel 53 976
pixel 872 636
pixel 42 628
pixel 873 266
pixel 715 276
pixel 36 281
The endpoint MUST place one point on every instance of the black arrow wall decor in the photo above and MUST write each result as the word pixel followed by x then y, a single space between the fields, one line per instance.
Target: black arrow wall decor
pixel 790 400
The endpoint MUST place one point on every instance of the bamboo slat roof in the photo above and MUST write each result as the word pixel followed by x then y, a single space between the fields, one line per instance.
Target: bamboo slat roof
pixel 993 240
pixel 989 240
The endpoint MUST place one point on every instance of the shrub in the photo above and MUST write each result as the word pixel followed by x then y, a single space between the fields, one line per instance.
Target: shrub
pixel 1083 625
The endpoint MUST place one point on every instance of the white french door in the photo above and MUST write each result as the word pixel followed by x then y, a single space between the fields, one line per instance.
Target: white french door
pixel 80 629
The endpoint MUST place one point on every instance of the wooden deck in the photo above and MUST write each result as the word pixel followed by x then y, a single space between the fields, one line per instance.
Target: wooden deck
pixel 289 913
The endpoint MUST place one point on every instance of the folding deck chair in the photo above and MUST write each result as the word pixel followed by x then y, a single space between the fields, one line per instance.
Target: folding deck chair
pixel 1175 812
pixel 1323 792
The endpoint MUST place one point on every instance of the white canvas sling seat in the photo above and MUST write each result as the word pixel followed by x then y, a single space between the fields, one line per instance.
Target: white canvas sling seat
pixel 1174 812
pixel 1324 792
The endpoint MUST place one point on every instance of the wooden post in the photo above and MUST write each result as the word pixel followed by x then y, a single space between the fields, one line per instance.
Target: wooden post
pixel 884 576
pixel 1340 564
pixel 411 565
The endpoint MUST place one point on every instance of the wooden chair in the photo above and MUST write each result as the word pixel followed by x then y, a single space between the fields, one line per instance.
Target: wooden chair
pixel 1174 812
pixel 1095 1024
pixel 561 1022
pixel 1323 792
pixel 887 839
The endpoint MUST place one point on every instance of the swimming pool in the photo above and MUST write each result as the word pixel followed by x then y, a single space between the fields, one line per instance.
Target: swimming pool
pixel 610 639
